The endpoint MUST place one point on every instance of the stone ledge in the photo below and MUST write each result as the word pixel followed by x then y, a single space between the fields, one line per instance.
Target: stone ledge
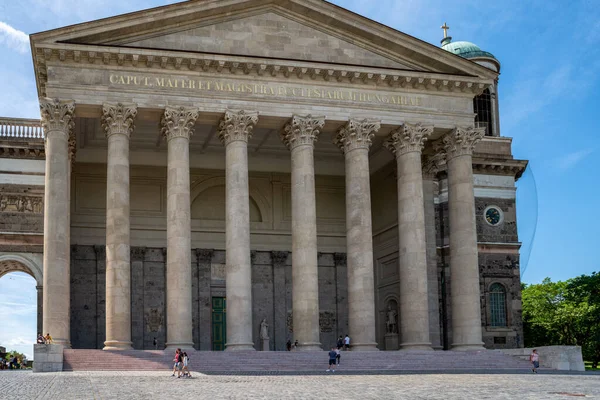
pixel 47 358
pixel 562 358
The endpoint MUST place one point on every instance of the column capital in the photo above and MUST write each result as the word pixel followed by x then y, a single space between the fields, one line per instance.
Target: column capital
pixel 57 115
pixel 237 126
pixel 118 118
pixel 179 121
pixel 461 141
pixel 407 139
pixel 302 131
pixel 432 164
pixel 356 134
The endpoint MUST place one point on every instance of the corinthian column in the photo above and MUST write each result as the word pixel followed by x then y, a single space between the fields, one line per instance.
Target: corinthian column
pixel 234 131
pixel 300 136
pixel 464 270
pixel 354 139
pixel 117 120
pixel 430 170
pixel 57 121
pixel 177 127
pixel 407 143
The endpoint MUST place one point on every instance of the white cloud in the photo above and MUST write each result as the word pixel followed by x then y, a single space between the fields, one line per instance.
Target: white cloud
pixel 570 160
pixel 13 38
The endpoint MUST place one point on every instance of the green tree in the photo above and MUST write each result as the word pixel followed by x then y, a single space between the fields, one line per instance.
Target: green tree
pixel 564 313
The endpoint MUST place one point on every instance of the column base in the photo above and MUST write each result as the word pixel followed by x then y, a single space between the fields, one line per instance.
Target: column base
pixel 363 347
pixel 117 345
pixel 239 347
pixel 309 347
pixel 416 346
pixel 467 346
pixel 179 345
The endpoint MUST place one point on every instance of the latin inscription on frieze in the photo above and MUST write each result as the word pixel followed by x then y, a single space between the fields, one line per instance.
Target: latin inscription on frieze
pixel 265 89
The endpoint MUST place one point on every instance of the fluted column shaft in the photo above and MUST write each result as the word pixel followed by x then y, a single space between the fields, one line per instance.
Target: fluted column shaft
pixel 234 132
pixel 177 126
pixel 429 190
pixel 407 143
pixel 299 136
pixel 464 266
pixel 117 120
pixel 354 140
pixel 57 121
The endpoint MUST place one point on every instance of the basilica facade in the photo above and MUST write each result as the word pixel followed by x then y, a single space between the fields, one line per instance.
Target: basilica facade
pixel 212 164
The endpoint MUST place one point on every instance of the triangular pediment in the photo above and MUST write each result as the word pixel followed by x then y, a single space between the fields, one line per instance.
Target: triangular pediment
pixel 304 30
pixel 268 35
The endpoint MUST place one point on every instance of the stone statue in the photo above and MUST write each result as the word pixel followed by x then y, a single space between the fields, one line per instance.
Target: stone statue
pixel 264 329
pixel 391 320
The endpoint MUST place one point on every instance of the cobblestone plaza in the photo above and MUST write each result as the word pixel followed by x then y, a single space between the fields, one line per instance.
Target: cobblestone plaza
pixel 160 385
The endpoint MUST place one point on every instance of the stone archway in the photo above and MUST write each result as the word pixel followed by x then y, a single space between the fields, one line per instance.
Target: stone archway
pixel 31 264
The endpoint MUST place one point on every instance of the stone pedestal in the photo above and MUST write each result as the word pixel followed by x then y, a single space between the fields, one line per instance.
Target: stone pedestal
pixel 299 136
pixel 234 132
pixel 47 358
pixel 265 344
pixel 391 341
pixel 464 266
pixel 57 121
pixel 178 123
pixel 354 140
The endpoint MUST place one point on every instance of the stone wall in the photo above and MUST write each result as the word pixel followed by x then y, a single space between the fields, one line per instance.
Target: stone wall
pixel 271 296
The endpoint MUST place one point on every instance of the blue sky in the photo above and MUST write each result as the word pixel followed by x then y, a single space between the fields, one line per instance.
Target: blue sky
pixel 549 102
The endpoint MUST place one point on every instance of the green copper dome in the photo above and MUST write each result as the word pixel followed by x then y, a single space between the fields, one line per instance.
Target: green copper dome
pixel 464 49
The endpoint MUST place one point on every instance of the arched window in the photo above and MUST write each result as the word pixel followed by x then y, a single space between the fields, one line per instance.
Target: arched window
pixel 482 105
pixel 498 305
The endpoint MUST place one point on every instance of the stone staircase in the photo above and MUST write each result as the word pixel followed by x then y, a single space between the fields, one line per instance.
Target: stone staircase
pixel 288 362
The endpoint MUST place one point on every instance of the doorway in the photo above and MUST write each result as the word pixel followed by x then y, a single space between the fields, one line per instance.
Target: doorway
pixel 219 323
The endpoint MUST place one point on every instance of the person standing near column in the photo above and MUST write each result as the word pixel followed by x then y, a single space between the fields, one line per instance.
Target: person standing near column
pixel 464 266
pixel 58 121
pixel 234 131
pixel 117 121
pixel 177 126
pixel 299 136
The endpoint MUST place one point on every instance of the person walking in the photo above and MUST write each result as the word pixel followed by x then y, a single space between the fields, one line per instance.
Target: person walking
pixel 340 342
pixel 288 345
pixel 186 361
pixel 338 356
pixel 347 342
pixel 534 357
pixel 176 361
pixel 332 356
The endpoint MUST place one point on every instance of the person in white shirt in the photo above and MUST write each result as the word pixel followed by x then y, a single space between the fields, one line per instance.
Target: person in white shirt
pixel 347 342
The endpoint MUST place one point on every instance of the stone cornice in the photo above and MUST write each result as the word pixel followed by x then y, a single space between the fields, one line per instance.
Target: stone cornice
pixel 253 66
pixel 408 138
pixel 490 166
pixel 356 134
pixel 118 118
pixel 237 126
pixel 178 122
pixel 302 131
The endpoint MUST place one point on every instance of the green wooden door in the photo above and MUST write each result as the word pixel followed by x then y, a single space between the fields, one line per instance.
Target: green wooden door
pixel 219 323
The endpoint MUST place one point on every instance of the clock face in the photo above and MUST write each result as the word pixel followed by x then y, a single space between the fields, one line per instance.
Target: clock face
pixel 493 216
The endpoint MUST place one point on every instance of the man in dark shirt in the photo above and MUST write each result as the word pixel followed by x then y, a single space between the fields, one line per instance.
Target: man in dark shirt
pixel 332 356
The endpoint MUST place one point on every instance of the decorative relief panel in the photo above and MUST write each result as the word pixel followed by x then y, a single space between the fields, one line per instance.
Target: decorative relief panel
pixel 218 272
pixel 326 321
pixel 21 203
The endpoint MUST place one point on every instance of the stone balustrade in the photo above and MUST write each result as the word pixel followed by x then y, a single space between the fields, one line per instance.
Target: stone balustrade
pixel 20 128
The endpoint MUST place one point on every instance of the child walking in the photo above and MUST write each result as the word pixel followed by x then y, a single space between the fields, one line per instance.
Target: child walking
pixel 534 357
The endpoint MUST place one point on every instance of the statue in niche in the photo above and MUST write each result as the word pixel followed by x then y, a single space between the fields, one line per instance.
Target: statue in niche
pixel 391 321
pixel 264 329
